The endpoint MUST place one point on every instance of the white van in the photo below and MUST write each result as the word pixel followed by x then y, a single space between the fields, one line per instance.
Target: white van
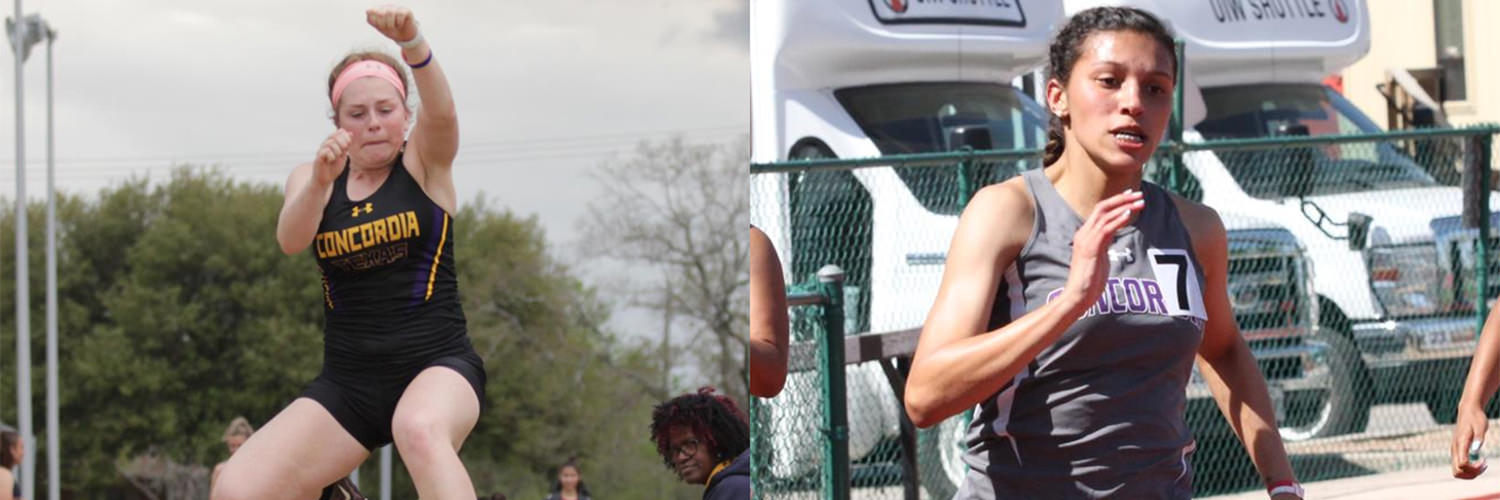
pixel 866 78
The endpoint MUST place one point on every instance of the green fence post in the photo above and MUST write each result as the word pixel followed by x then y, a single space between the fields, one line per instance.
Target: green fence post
pixel 1174 172
pixel 835 402
pixel 755 437
pixel 1481 145
pixel 964 189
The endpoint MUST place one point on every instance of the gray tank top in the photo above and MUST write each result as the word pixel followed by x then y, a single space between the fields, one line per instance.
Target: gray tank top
pixel 1098 414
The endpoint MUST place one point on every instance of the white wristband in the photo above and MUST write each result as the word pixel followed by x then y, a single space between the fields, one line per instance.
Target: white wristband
pixel 413 43
pixel 1294 488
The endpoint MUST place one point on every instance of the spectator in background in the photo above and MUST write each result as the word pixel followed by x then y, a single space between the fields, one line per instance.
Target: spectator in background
pixel 12 449
pixel 569 485
pixel 11 452
pixel 705 439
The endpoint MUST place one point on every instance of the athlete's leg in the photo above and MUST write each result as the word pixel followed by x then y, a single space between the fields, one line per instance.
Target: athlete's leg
pixel 293 457
pixel 434 416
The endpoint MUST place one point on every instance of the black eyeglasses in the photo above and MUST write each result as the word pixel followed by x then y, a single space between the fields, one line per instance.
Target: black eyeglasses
pixel 689 446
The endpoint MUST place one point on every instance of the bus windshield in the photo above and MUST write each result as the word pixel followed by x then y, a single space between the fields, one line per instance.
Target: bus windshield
pixel 932 117
pixel 924 117
pixel 1254 111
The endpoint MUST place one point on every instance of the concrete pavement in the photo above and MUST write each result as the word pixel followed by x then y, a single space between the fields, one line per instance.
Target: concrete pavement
pixel 1431 483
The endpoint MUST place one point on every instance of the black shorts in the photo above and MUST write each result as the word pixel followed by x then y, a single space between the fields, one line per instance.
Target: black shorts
pixel 364 405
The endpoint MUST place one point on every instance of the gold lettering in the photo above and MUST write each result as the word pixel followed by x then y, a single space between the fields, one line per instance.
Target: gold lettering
pixel 397 226
pixel 366 237
pixel 379 227
pixel 318 243
pixel 356 242
pixel 342 238
pixel 381 231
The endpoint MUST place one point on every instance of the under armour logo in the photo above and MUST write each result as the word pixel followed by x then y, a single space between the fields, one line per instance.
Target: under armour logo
pixel 369 207
pixel 1124 254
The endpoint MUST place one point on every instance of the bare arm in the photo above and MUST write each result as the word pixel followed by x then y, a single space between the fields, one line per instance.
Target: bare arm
pixel 307 191
pixel 1224 358
pixel 1479 387
pixel 434 140
pixel 768 318
pixel 958 363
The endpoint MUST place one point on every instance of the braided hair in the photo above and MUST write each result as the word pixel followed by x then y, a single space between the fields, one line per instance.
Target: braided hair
pixel 1067 46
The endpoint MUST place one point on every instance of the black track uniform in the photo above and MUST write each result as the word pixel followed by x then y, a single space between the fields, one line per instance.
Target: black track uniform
pixel 390 299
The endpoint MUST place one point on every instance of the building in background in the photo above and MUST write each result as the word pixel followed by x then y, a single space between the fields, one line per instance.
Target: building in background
pixel 1424 54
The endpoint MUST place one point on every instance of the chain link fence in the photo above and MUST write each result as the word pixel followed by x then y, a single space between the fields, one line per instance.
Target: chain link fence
pixel 1355 274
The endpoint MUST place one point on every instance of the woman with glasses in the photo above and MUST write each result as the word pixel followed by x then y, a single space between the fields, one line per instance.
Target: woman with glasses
pixel 705 439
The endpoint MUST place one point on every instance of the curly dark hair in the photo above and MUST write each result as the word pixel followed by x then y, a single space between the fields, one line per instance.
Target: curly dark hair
pixel 1068 42
pixel 714 418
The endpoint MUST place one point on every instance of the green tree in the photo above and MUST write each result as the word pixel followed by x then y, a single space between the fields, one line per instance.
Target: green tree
pixel 682 211
pixel 178 312
pixel 559 386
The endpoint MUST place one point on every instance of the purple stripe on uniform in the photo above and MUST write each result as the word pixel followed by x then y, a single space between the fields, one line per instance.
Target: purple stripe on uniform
pixel 424 272
pixel 328 293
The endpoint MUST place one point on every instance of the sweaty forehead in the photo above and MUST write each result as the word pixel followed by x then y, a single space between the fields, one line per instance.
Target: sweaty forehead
pixel 1130 48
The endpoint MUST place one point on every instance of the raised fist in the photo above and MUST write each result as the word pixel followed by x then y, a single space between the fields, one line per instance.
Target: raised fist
pixel 396 23
pixel 330 160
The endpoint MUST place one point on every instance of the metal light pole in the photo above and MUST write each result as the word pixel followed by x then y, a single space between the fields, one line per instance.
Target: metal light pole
pixel 54 450
pixel 385 472
pixel 23 36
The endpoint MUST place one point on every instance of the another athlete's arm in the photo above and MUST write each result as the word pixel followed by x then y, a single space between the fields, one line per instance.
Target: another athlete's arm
pixel 958 364
pixel 434 140
pixel 1224 358
pixel 1480 386
pixel 768 318
pixel 307 190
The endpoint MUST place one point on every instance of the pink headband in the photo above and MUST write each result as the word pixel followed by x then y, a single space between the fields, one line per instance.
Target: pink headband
pixel 366 68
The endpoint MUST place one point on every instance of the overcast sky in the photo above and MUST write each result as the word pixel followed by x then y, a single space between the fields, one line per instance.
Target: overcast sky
pixel 545 90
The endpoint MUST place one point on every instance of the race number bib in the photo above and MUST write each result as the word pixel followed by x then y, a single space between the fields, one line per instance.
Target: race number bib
pixel 1179 282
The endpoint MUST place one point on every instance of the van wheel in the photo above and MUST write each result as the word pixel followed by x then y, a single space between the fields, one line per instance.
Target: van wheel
pixel 1343 408
pixel 1442 402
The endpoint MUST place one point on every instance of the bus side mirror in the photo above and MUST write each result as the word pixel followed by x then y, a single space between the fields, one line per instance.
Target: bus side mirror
pixel 1359 230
